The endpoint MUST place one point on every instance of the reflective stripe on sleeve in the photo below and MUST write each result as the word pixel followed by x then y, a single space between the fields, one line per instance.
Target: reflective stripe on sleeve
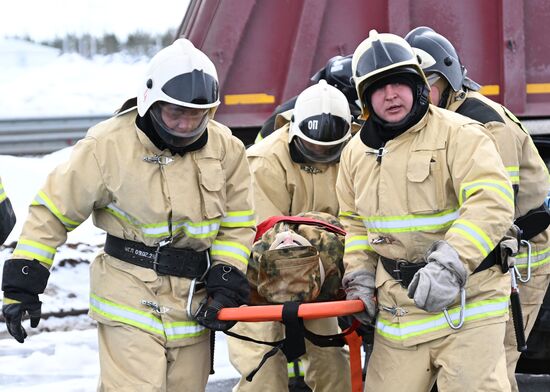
pixel 502 188
pixel 239 219
pixel 350 215
pixel 357 243
pixel 230 249
pixel 35 250
pixel 43 200
pixel 513 173
pixel 473 234
pixel 204 229
pixel 2 193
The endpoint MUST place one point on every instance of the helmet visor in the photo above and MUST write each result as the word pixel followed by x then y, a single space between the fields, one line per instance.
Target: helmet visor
pixel 179 126
pixel 324 129
pixel 196 87
pixel 316 153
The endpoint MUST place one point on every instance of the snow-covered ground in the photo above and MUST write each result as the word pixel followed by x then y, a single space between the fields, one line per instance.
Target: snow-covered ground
pixel 44 84
pixel 62 356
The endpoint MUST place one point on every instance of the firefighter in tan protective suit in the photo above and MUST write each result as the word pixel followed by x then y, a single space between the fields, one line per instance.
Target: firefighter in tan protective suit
pixel 170 186
pixel 7 216
pixel 424 198
pixel 451 89
pixel 294 170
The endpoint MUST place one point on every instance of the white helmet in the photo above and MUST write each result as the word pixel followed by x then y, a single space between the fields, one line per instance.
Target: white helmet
pixel 181 75
pixel 321 123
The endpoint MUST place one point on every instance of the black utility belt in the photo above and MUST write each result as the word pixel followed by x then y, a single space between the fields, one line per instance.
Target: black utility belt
pixel 185 263
pixel 534 222
pixel 403 270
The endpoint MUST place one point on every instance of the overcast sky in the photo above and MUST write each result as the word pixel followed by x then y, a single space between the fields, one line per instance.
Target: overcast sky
pixel 46 19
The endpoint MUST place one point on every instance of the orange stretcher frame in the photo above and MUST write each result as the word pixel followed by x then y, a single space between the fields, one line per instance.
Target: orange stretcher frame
pixel 309 311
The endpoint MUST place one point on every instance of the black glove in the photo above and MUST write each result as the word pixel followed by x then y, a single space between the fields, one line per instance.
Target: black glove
pixel 7 220
pixel 22 281
pixel 227 287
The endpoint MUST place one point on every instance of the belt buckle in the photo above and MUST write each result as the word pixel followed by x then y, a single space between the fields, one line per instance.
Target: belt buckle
pixel 397 270
pixel 160 245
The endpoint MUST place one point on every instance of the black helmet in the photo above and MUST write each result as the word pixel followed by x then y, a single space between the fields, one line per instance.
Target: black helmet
pixel 337 73
pixel 437 54
pixel 382 55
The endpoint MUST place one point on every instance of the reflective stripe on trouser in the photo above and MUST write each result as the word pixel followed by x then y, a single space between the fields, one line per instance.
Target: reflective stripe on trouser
pixel 531 296
pixel 474 311
pixel 321 364
pixel 295 369
pixel 468 360
pixel 134 360
pixel 123 293
pixel 144 320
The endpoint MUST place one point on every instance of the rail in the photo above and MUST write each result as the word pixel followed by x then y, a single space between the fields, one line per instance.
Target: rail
pixel 36 136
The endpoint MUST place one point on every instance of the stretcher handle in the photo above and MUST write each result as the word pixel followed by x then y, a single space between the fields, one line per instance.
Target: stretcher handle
pixel 307 311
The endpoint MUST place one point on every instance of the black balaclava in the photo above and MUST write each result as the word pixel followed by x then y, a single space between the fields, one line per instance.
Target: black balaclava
pixel 376 131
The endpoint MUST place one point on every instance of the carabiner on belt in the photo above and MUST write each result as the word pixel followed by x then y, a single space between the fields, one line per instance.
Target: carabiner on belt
pixel 192 287
pixel 462 311
pixel 518 274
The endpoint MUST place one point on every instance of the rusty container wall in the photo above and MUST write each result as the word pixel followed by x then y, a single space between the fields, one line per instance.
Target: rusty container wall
pixel 266 50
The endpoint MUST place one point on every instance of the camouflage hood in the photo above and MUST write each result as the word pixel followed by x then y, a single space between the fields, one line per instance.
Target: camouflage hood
pixel 293 273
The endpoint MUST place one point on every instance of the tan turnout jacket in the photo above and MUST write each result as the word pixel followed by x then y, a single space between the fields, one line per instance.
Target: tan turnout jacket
pixel 308 187
pixel 527 171
pixel 440 180
pixel 201 200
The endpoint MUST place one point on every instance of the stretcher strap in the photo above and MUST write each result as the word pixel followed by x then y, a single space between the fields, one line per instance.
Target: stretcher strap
pixel 293 345
pixel 354 342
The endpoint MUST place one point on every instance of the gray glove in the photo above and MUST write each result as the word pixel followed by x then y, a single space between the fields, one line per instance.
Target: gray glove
pixel 360 285
pixel 437 285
